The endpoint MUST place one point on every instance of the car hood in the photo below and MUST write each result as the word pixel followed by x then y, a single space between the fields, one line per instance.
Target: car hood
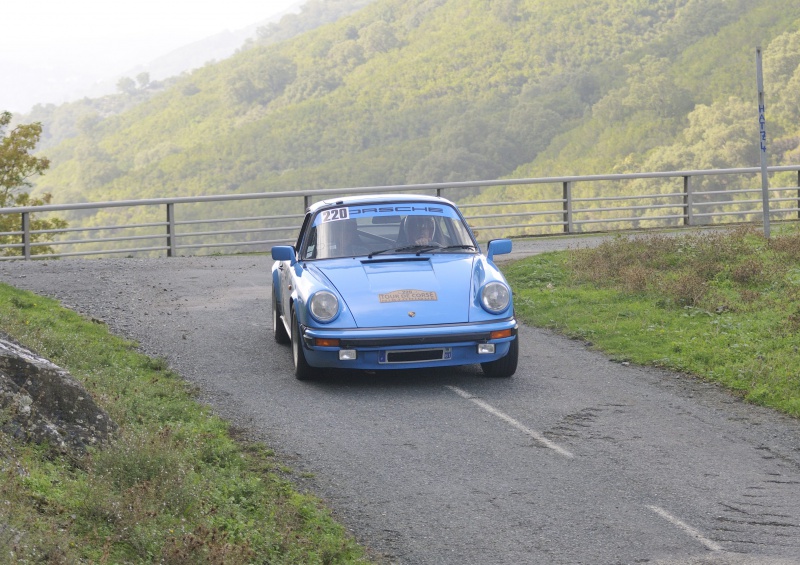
pixel 404 291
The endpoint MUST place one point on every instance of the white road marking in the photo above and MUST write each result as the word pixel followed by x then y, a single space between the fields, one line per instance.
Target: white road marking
pixel 508 419
pixel 710 545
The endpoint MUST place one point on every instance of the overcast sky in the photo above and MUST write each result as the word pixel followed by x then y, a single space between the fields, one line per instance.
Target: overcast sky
pixel 95 37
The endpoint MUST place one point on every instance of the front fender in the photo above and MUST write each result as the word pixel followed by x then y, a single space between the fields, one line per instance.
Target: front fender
pixel 305 282
pixel 276 281
pixel 484 272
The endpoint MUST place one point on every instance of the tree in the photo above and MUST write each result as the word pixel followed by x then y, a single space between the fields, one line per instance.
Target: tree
pixel 262 81
pixel 126 85
pixel 378 37
pixel 143 79
pixel 17 166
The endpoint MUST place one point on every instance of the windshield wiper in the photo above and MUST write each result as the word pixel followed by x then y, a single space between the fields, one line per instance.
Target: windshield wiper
pixel 407 248
pixel 420 249
pixel 460 247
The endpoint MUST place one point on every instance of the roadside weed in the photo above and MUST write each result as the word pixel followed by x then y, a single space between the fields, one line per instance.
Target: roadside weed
pixel 722 305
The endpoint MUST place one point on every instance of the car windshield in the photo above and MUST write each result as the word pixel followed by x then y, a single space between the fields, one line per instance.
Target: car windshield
pixel 393 228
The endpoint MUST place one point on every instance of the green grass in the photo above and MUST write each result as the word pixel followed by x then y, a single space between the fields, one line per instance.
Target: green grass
pixel 174 486
pixel 723 306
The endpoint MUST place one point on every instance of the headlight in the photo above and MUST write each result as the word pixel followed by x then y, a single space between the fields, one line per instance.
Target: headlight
pixel 495 297
pixel 324 306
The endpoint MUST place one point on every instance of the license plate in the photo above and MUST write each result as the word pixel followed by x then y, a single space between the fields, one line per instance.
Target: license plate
pixel 415 355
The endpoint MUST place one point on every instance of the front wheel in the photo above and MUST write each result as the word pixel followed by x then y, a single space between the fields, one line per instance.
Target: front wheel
pixel 302 370
pixel 506 365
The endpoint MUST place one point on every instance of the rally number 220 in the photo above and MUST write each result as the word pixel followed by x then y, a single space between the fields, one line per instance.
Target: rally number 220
pixel 334 215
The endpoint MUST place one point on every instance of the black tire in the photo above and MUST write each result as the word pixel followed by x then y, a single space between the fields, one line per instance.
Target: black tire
pixel 278 329
pixel 302 370
pixel 506 365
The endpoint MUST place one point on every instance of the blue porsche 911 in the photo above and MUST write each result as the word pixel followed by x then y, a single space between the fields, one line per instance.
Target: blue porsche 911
pixel 392 282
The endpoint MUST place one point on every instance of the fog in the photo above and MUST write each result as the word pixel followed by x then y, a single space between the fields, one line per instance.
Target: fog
pixel 53 51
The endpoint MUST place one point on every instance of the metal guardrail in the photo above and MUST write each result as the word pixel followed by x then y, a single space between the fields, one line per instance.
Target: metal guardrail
pixel 566 212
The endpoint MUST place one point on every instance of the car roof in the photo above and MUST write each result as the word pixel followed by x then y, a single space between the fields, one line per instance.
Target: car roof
pixel 377 199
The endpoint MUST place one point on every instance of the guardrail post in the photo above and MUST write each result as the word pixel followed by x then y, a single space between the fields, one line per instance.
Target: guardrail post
pixel 26 235
pixel 688 201
pixel 171 251
pixel 567 196
pixel 306 202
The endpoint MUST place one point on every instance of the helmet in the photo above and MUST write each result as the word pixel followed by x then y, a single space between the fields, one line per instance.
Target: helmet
pixel 416 225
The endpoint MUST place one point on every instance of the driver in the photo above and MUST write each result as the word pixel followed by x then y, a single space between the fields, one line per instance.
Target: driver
pixel 420 230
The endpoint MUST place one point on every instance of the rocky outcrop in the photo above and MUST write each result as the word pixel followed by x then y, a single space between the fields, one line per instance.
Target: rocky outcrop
pixel 41 402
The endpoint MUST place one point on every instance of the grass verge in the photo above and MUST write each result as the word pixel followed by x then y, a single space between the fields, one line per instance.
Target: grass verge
pixel 724 306
pixel 173 487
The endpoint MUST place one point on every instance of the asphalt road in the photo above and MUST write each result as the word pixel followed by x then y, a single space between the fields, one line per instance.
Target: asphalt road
pixel 576 459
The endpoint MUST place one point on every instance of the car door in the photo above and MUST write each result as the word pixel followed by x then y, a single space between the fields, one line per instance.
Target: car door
pixel 286 271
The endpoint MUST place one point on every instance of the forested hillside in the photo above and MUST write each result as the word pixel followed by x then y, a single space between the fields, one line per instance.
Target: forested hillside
pixel 68 120
pixel 412 91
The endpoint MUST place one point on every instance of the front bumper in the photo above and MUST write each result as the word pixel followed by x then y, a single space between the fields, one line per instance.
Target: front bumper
pixel 408 347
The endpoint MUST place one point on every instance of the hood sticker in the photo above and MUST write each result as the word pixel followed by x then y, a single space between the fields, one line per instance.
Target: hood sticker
pixel 408 296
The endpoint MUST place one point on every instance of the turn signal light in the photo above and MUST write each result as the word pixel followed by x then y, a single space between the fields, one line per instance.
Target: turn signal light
pixel 500 334
pixel 325 342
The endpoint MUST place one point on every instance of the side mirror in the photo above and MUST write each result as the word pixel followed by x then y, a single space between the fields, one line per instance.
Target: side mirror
pixel 498 247
pixel 284 253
